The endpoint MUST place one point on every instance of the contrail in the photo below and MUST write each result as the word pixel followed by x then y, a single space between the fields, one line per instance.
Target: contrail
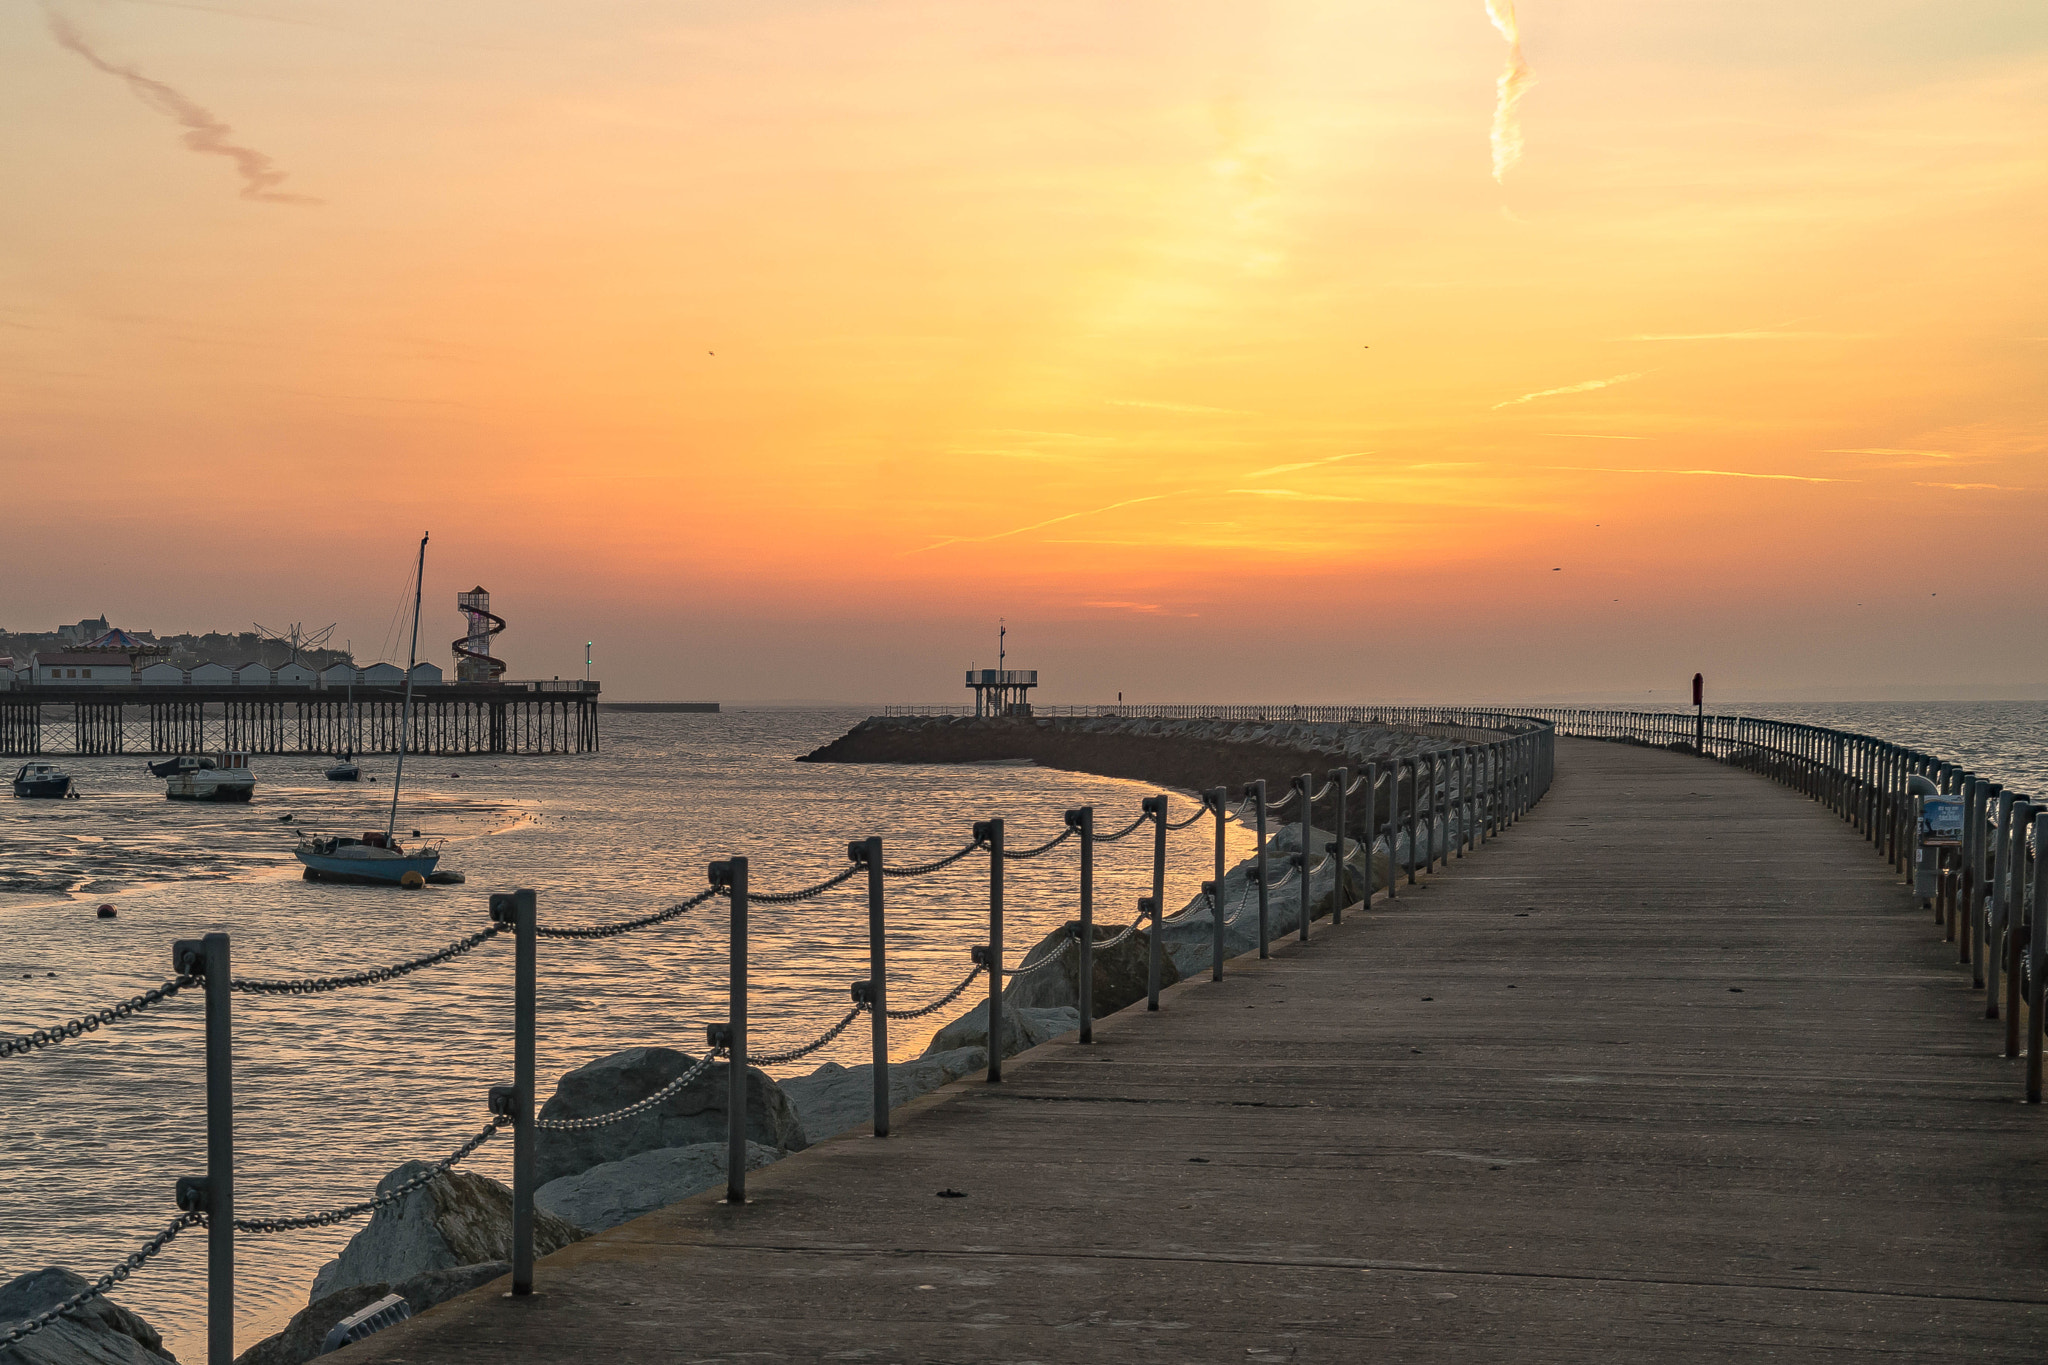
pixel 1049 521
pixel 1701 473
pixel 1586 387
pixel 203 132
pixel 1515 80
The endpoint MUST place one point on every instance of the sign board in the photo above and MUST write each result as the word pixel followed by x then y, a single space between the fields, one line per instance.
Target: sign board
pixel 1941 821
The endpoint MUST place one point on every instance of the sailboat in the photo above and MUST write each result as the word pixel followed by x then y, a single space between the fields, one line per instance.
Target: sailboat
pixel 378 856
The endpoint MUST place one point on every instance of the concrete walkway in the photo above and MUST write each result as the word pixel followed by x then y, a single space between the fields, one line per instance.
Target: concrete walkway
pixel 1672 1070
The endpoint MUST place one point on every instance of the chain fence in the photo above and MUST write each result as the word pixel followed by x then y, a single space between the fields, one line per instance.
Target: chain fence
pixel 627 926
pixel 1183 824
pixel 316 984
pixel 807 893
pixel 130 1263
pixel 1046 847
pixel 919 869
pixel 935 1006
pixel 390 1196
pixel 1143 816
pixel 791 1054
pixel 702 1065
pixel 22 1044
pixel 1065 946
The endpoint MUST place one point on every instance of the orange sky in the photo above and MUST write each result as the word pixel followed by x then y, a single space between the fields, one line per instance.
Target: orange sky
pixel 1197 339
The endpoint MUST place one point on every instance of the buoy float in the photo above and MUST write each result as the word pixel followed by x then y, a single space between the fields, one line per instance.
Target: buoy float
pixel 412 881
pixel 107 912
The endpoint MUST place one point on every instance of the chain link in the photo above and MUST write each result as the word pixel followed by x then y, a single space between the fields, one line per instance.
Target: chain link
pixel 919 869
pixel 791 1054
pixel 638 1106
pixel 1129 929
pixel 131 1263
pixel 316 984
pixel 23 1044
pixel 1143 816
pixel 1045 847
pixel 1183 824
pixel 627 926
pixel 935 1006
pixel 1282 803
pixel 390 1196
pixel 784 897
pixel 1066 944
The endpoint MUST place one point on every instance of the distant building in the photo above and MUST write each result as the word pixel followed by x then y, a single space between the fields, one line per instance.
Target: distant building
pixel 296 675
pixel 84 630
pixel 82 670
pixel 338 675
pixel 383 675
pixel 252 675
pixel 161 674
pixel 426 675
pixel 213 675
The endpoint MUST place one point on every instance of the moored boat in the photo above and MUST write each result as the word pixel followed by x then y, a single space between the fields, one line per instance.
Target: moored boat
pixel 376 857
pixel 345 769
pixel 44 780
pixel 190 778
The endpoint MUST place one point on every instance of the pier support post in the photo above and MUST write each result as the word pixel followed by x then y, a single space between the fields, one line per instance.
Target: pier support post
pixel 1157 808
pixel 736 1036
pixel 215 1195
pixel 1221 796
pixel 993 829
pixel 1259 808
pixel 878 981
pixel 1083 819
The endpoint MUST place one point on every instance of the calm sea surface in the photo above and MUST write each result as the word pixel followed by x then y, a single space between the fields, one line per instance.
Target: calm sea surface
pixel 332 1091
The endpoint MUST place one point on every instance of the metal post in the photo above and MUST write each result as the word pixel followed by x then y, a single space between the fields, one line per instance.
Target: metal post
pixel 1306 784
pixel 1259 805
pixel 1414 811
pixel 2037 960
pixel 736 1037
pixel 2015 903
pixel 215 1195
pixel 524 1168
pixel 1338 781
pixel 1998 863
pixel 994 830
pixel 1156 806
pixel 1221 796
pixel 878 983
pixel 1083 819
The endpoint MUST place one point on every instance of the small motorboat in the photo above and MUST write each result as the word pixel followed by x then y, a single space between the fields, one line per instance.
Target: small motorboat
pixel 376 857
pixel 345 769
pixel 45 780
pixel 205 779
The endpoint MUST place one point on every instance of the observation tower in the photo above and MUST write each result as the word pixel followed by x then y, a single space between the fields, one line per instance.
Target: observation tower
pixel 473 661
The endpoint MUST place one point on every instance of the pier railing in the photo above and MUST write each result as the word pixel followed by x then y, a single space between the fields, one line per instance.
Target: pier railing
pixel 1424 810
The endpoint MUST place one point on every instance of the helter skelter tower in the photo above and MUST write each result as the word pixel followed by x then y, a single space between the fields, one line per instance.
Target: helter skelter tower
pixel 473 661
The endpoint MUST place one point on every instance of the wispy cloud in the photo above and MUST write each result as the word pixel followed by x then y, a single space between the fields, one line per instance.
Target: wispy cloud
pixel 1893 450
pixel 1594 436
pixel 1972 487
pixel 1587 387
pixel 1049 521
pixel 1701 473
pixel 1514 82
pixel 1305 464
pixel 1764 334
pixel 204 133
pixel 1297 496
pixel 1171 407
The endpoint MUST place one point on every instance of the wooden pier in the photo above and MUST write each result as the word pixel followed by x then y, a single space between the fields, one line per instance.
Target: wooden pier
pixel 1675 1069
pixel 496 718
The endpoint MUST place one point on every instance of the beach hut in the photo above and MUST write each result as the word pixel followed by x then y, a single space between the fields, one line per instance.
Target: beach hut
pixel 252 675
pixel 384 675
pixel 161 674
pixel 338 675
pixel 295 675
pixel 83 670
pixel 426 675
pixel 213 675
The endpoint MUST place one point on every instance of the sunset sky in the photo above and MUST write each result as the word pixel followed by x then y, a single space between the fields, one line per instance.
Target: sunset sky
pixel 781 347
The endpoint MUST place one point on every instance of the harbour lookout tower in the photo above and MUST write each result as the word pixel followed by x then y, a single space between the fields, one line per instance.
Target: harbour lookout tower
pixel 1001 691
pixel 473 661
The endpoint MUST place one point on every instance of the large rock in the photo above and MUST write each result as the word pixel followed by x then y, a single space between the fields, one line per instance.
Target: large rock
pixel 1121 975
pixel 100 1332
pixel 835 1098
pixel 694 1114
pixel 618 1191
pixel 1022 1028
pixel 306 1333
pixel 458 1218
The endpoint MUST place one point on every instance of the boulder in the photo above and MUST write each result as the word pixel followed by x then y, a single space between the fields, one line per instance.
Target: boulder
pixel 457 1219
pixel 99 1332
pixel 1121 974
pixel 306 1333
pixel 692 1115
pixel 835 1098
pixel 608 1195
pixel 1022 1028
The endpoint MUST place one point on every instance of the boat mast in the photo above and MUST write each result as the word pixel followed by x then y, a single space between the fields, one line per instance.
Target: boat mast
pixel 405 722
